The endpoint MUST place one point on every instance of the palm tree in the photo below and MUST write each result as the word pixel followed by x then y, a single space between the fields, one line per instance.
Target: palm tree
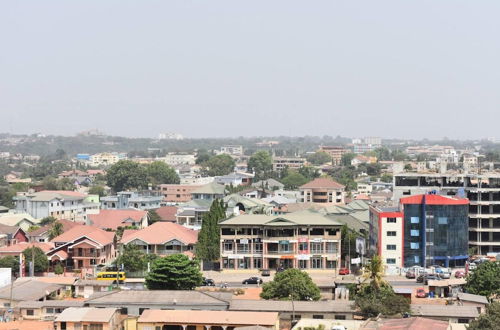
pixel 55 230
pixel 374 271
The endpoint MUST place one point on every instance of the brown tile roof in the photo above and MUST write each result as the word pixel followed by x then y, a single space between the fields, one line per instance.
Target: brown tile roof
pixel 20 247
pixel 322 183
pixel 412 323
pixel 95 234
pixel 208 317
pixel 167 213
pixel 113 219
pixel 162 232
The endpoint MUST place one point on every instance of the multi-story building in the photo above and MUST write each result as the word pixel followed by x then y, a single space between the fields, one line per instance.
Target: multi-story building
pixel 177 193
pixel 232 150
pixel 279 163
pixel 322 190
pixel 305 240
pixel 235 179
pixel 106 158
pixel 178 159
pixel 424 230
pixel 60 204
pixel 336 152
pixel 482 190
pixel 132 200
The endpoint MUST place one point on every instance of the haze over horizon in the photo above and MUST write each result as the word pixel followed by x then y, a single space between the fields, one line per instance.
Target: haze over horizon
pixel 222 68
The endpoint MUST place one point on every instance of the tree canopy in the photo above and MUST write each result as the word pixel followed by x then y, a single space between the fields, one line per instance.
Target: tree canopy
pixel 133 258
pixel 293 180
pixel 41 261
pixel 47 221
pixel 262 164
pixel 126 174
pixel 208 246
pixel 97 190
pixel 488 321
pixel 319 158
pixel 485 280
pixel 175 272
pixel 55 230
pixel 10 262
pixel 291 284
pixel 218 165
pixel 160 173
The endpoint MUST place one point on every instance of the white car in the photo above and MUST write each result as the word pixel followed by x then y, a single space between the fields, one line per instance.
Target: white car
pixel 472 266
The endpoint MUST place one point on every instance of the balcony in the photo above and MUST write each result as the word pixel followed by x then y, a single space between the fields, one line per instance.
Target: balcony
pixel 486 229
pixel 484 215
pixel 273 252
pixel 486 243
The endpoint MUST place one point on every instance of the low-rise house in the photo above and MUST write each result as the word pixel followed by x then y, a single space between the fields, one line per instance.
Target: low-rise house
pixel 28 289
pixel 17 249
pixel 188 319
pixel 163 238
pixel 305 240
pixel 83 247
pixel 450 313
pixel 60 204
pixel 330 309
pixel 86 288
pixel 11 235
pixel 235 179
pixel 237 204
pixel 113 219
pixel 132 200
pixel 134 303
pixel 322 190
pixel 177 193
pixel 270 184
pixel 467 299
pixel 23 220
pixel 74 318
pixel 46 310
pixel 411 323
pixel 167 213
pixel 209 192
pixel 42 234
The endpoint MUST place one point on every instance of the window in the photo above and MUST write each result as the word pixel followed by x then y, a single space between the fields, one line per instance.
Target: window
pixel 63 325
pixel 124 311
pixel 463 321
pixel 50 310
pixel 391 246
pixel 416 259
pixel 442 220
pixel 415 220
pixel 414 233
pixel 228 246
pixel 30 312
pixel 414 245
pixel 390 261
pixel 391 220
pixel 316 263
pixel 318 316
pixel 94 326
pixel 391 233
pixel 340 317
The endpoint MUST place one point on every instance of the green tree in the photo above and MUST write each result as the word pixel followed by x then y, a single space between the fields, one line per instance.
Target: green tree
pixel 488 321
pixel 294 180
pixel 382 153
pixel 55 230
pixel 153 217
pixel 58 269
pixel 347 158
pixel 262 164
pixel 408 167
pixel 373 301
pixel 10 262
pixel 97 190
pixel 218 165
pixel 41 261
pixel 160 173
pixel 291 284
pixel 374 272
pixel 208 246
pixel 132 258
pixel 485 280
pixel 202 156
pixel 309 172
pixel 386 177
pixel 175 272
pixel 47 221
pixel 126 174
pixel 319 158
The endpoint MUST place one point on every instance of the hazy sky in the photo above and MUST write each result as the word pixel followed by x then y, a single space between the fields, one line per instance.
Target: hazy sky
pixel 229 68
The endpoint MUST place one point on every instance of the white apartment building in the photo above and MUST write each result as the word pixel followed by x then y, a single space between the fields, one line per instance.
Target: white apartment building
pixel 106 158
pixel 386 236
pixel 178 159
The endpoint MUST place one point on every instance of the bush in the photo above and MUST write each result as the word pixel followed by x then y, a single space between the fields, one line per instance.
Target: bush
pixel 58 269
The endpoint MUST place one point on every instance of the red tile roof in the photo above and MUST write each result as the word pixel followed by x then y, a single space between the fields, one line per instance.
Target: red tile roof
pixel 162 232
pixel 20 247
pixel 95 234
pixel 434 200
pixel 412 323
pixel 208 317
pixel 322 183
pixel 167 213
pixel 113 219
pixel 67 225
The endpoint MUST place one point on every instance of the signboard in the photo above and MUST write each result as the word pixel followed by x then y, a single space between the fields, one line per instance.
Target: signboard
pixel 316 240
pixel 303 257
pixel 360 245
pixel 303 239
pixel 235 257
pixel 243 241
pixel 284 242
pixel 355 261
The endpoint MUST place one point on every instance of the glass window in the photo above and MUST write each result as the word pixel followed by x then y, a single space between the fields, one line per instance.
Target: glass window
pixel 443 220
pixel 30 312
pixel 416 259
pixel 415 220
pixel 391 220
pixel 50 310
pixel 391 246
pixel 318 317
pixel 414 232
pixel 391 233
pixel 414 245
pixel 390 261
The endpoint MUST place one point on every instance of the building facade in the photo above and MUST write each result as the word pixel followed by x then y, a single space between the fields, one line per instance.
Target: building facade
pixel 279 163
pixel 387 235
pixel 177 193
pixel 304 240
pixel 336 152
pixel 322 190
pixel 132 200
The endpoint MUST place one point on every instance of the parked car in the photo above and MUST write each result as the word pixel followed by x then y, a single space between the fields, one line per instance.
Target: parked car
pixel 444 275
pixel 344 271
pixel 421 293
pixel 280 269
pixel 410 274
pixel 430 277
pixel 265 272
pixel 207 282
pixel 459 274
pixel 472 266
pixel 253 280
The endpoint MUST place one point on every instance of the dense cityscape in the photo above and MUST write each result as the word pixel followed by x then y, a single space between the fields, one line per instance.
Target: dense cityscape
pixel 363 233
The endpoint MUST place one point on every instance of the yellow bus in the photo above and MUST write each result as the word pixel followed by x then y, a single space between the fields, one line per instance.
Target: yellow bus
pixel 112 276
